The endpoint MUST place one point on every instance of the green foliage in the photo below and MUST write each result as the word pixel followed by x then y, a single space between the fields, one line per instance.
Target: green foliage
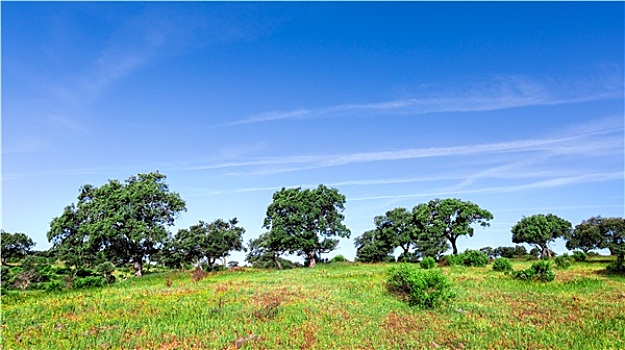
pixel 502 264
pixel 203 241
pixel 617 267
pixel 453 260
pixel 427 263
pixel 338 258
pixel 518 251
pixel 451 218
pixel 89 282
pixel 54 286
pixel 421 288
pixel 580 256
pixel 540 230
pixel 587 235
pixel 15 246
pixel 474 258
pixel 539 271
pixel 265 251
pixel 563 262
pixel 371 247
pixel 304 221
pixel 119 222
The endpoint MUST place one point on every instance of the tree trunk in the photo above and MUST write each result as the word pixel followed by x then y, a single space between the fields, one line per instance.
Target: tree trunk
pixel 138 267
pixel 453 245
pixel 277 261
pixel 311 259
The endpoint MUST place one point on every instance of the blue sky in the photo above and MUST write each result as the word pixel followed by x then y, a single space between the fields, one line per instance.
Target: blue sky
pixel 517 107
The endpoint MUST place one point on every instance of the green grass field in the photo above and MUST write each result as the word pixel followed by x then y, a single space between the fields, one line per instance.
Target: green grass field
pixel 334 306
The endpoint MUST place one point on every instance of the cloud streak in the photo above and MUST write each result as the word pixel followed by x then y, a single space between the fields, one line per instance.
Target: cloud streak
pixel 545 184
pixel 505 92
pixel 603 141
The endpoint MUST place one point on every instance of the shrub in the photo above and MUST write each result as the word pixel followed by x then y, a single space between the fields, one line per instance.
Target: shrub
pixel 474 258
pixel 338 258
pixel 539 271
pixel 89 282
pixel 580 256
pixel 502 264
pixel 54 286
pixel 452 260
pixel 427 263
pixel 563 261
pixel 421 288
pixel 617 266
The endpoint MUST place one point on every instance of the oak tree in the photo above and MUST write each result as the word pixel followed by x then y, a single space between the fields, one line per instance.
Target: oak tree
pixel 305 221
pixel 540 230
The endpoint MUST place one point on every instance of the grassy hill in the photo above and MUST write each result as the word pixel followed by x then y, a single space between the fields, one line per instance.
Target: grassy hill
pixel 334 306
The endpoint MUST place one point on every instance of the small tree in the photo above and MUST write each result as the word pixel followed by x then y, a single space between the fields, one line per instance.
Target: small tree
pixel 452 218
pixel 587 236
pixel 208 242
pixel 369 248
pixel 15 246
pixel 540 230
pixel 266 248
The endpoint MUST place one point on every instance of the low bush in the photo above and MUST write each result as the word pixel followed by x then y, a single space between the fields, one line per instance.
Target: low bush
pixel 338 258
pixel 427 263
pixel 563 261
pixel 617 266
pixel 453 260
pixel 580 256
pixel 54 286
pixel 474 258
pixel 421 288
pixel 539 271
pixel 89 282
pixel 502 264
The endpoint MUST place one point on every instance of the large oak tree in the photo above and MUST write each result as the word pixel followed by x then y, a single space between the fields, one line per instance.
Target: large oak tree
pixel 305 221
pixel 125 222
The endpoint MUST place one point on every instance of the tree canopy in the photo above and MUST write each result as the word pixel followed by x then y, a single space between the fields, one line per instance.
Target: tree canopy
pixel 400 228
pixel 452 218
pixel 540 230
pixel 587 235
pixel 15 245
pixel 304 221
pixel 124 222
pixel 370 247
pixel 207 242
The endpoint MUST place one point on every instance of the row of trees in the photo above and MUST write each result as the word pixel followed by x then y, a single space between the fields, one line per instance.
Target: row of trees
pixel 427 230
pixel 127 223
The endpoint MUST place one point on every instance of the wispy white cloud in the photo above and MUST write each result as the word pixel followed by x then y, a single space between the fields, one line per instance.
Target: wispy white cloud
pixel 544 184
pixel 602 141
pixel 500 92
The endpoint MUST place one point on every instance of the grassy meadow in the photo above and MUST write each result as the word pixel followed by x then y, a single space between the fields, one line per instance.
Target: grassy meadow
pixel 333 306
